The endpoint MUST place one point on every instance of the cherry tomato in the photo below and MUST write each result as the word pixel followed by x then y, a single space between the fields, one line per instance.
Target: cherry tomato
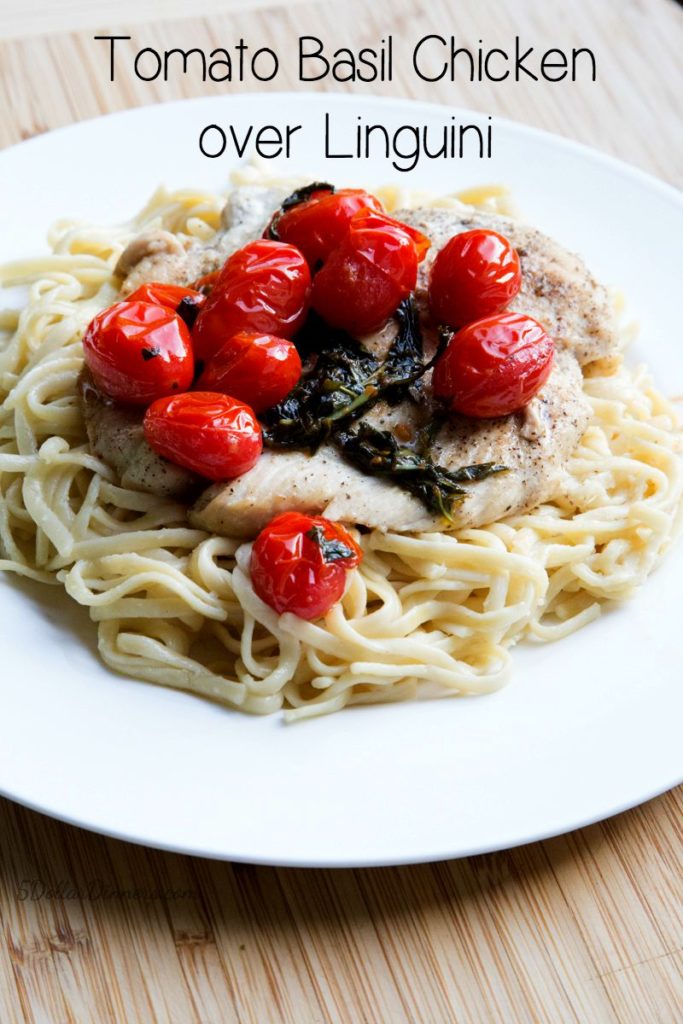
pixel 366 277
pixel 494 366
pixel 476 274
pixel 183 301
pixel 162 294
pixel 299 564
pixel 374 219
pixel 209 433
pixel 138 352
pixel 264 287
pixel 259 369
pixel 205 284
pixel 318 224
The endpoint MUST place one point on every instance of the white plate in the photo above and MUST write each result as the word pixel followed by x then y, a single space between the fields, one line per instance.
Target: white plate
pixel 587 727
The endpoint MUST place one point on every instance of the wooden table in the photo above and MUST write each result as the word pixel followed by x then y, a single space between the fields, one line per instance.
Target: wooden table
pixel 583 928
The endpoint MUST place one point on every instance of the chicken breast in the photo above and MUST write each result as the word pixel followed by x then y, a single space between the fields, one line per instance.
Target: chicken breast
pixel 557 288
pixel 534 445
pixel 296 481
pixel 116 436
pixel 160 256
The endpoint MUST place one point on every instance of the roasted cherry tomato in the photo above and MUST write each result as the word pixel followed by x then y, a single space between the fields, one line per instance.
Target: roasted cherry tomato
pixel 476 274
pixel 494 366
pixel 204 285
pixel 299 564
pixel 366 276
pixel 259 369
pixel 137 352
pixel 209 433
pixel 318 224
pixel 377 219
pixel 262 287
pixel 186 302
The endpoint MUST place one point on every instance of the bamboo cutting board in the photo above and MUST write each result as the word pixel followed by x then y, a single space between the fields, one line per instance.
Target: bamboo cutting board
pixel 583 928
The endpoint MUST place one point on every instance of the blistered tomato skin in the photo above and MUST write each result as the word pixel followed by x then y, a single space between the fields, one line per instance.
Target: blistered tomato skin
pixel 186 302
pixel 263 287
pixel 162 294
pixel 259 369
pixel 318 225
pixel 138 352
pixel 366 219
pixel 365 278
pixel 299 564
pixel 205 285
pixel 211 434
pixel 494 366
pixel 476 274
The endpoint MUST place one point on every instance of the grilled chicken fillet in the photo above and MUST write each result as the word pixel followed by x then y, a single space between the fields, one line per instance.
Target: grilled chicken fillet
pixel 161 256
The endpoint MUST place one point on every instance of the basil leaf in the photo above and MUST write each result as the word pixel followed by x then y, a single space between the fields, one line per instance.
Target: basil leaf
pixel 378 453
pixel 332 550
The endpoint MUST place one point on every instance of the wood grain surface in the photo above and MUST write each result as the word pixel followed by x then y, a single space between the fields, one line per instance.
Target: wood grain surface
pixel 583 928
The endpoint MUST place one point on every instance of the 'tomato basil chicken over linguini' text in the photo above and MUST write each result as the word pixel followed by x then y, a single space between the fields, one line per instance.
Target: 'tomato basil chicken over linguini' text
pixel 307 447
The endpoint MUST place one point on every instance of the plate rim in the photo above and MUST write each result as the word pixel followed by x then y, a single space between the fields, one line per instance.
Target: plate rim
pixel 343 863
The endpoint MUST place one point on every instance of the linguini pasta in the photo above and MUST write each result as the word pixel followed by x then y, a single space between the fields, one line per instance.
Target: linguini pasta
pixel 424 615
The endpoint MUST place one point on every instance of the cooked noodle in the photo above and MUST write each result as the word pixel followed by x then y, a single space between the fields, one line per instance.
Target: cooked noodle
pixel 424 615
